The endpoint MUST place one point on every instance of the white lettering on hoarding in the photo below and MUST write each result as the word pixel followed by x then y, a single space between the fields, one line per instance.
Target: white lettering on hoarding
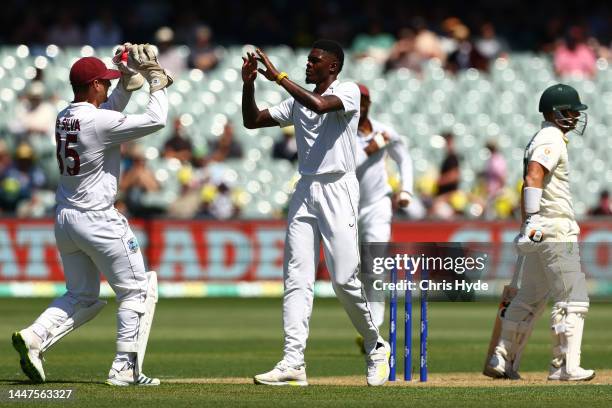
pixel 36 239
pixel 270 253
pixel 8 263
pixel 231 252
pixel 178 252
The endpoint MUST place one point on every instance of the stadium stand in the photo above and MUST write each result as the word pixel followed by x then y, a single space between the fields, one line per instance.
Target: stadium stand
pixel 475 106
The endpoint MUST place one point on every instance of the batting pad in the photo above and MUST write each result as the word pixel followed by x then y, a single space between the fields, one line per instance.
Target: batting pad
pixel 146 312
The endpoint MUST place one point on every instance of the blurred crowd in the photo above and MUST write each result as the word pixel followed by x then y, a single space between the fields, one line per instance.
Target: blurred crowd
pixel 395 34
pixel 522 24
pixel 27 190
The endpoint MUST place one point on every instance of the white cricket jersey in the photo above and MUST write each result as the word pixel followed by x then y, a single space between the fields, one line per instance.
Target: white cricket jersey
pixel 372 171
pixel 89 142
pixel 549 148
pixel 325 143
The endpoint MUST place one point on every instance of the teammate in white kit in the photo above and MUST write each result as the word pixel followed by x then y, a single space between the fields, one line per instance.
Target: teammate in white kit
pixel 92 236
pixel 548 245
pixel 324 206
pixel 375 140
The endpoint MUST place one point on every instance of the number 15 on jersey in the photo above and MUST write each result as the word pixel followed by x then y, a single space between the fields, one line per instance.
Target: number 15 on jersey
pixel 67 157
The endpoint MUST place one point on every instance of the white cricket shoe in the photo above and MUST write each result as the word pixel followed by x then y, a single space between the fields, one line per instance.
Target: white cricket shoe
pixel 378 364
pixel 561 374
pixel 283 374
pixel 125 378
pixel 27 343
pixel 496 367
pixel 499 367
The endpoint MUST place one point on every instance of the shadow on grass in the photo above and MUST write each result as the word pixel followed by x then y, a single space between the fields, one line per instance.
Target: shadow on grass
pixel 12 381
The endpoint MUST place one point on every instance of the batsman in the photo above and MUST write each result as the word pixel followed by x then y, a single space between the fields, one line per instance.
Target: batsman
pixel 548 245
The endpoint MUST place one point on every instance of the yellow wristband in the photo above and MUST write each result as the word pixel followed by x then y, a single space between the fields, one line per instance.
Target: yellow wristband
pixel 280 77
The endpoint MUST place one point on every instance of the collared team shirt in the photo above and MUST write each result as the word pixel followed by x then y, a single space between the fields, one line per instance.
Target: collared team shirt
pixel 89 147
pixel 372 171
pixel 549 148
pixel 325 143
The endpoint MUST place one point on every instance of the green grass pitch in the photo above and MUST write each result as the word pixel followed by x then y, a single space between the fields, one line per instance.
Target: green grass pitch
pixel 230 340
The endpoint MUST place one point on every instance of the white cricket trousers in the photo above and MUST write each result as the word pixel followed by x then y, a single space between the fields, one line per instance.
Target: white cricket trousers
pixel 324 209
pixel 374 227
pixel 91 242
pixel 552 271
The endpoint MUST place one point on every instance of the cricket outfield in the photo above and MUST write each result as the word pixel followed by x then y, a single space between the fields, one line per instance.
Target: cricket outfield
pixel 206 351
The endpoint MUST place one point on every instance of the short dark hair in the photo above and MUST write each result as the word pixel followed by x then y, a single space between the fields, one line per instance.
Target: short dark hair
pixel 333 48
pixel 76 89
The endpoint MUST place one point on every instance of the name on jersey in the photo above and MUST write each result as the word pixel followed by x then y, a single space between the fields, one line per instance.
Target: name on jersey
pixel 69 125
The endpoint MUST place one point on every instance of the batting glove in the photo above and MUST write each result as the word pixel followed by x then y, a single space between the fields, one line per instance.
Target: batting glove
pixel 131 80
pixel 142 58
pixel 531 234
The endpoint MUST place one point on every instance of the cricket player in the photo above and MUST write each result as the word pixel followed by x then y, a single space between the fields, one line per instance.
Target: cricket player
pixel 92 236
pixel 324 206
pixel 548 244
pixel 375 140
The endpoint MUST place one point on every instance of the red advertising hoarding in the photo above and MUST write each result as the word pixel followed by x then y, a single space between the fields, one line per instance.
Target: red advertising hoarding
pixel 236 250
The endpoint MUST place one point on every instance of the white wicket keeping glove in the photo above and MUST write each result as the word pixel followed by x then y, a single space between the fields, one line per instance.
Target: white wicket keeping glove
pixel 142 58
pixel 531 234
pixel 131 80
